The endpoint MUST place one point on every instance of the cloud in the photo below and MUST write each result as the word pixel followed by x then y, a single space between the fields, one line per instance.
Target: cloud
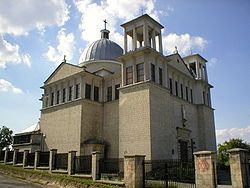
pixel 65 47
pixel 212 62
pixel 18 17
pixel 6 86
pixel 115 12
pixel 184 42
pixel 9 53
pixel 225 134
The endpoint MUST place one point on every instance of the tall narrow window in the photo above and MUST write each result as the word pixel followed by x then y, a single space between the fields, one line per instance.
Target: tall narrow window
pixel 64 95
pixel 187 93
pixel 77 91
pixel 117 91
pixel 70 93
pixel 87 91
pixel 109 94
pixel 96 93
pixel 153 72
pixel 170 86
pixel 208 99
pixel 57 96
pixel 204 99
pixel 129 75
pixel 176 89
pixel 52 99
pixel 192 100
pixel 160 76
pixel 140 72
pixel 181 91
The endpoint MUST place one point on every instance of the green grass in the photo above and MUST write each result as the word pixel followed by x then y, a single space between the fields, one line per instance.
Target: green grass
pixel 44 177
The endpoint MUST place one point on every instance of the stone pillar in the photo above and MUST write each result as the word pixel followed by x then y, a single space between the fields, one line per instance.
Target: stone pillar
pixel 52 157
pixel 238 160
pixel 133 171
pixel 160 43
pixel 153 39
pixel 15 156
pixel 125 42
pixel 205 169
pixel 71 162
pixel 134 39
pixel 96 155
pixel 25 155
pixel 37 159
pixel 5 156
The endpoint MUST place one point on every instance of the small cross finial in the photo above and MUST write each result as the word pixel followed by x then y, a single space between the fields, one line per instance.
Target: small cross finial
pixel 176 50
pixel 64 59
pixel 105 23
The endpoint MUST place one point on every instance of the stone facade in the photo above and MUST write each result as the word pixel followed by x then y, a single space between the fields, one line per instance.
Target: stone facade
pixel 141 103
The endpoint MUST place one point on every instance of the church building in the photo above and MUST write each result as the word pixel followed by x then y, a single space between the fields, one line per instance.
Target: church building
pixel 130 101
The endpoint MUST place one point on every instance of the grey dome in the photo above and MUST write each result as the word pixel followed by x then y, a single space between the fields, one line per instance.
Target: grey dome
pixel 103 49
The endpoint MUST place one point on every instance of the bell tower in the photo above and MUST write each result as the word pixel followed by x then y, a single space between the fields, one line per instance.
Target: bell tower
pixel 141 32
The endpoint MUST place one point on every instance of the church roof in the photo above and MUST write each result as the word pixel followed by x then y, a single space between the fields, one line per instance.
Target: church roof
pixel 33 128
pixel 103 49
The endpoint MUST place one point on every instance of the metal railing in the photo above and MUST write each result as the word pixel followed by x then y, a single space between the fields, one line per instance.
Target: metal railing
pixel 30 159
pixel 83 164
pixel 2 153
pixel 44 159
pixel 10 156
pixel 19 157
pixel 112 166
pixel 61 161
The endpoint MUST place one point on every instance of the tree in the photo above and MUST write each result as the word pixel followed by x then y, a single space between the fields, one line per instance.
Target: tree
pixel 223 155
pixel 6 137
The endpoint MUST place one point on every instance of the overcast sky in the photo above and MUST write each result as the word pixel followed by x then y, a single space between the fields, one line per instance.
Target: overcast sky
pixel 34 36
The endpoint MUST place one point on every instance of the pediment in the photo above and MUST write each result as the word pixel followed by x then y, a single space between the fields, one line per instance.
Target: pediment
pixel 62 71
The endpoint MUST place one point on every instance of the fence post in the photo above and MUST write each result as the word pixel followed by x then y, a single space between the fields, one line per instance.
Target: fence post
pixel 71 161
pixel 25 155
pixel 52 156
pixel 238 160
pixel 37 159
pixel 6 155
pixel 205 169
pixel 15 156
pixel 133 171
pixel 96 155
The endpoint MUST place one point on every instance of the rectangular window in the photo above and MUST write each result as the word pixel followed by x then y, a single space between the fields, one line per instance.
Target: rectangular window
pixel 153 72
pixel 64 95
pixel 109 94
pixel 87 91
pixel 129 75
pixel 186 93
pixel 176 89
pixel 57 96
pixel 170 86
pixel 140 72
pixel 208 100
pixel 192 100
pixel 160 76
pixel 96 93
pixel 117 91
pixel 204 99
pixel 181 91
pixel 52 99
pixel 70 93
pixel 77 91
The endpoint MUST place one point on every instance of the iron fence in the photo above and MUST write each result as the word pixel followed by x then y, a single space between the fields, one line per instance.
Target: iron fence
pixel 2 153
pixel 83 164
pixel 168 173
pixel 30 159
pixel 112 166
pixel 10 156
pixel 44 159
pixel 61 161
pixel 247 174
pixel 19 158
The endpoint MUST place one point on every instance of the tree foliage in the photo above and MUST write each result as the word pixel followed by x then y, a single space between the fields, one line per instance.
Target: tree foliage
pixel 6 137
pixel 223 155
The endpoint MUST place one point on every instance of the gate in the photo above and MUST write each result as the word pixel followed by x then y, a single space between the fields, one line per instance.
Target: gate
pixel 223 175
pixel 30 159
pixel 44 159
pixel 168 173
pixel 61 161
pixel 83 164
